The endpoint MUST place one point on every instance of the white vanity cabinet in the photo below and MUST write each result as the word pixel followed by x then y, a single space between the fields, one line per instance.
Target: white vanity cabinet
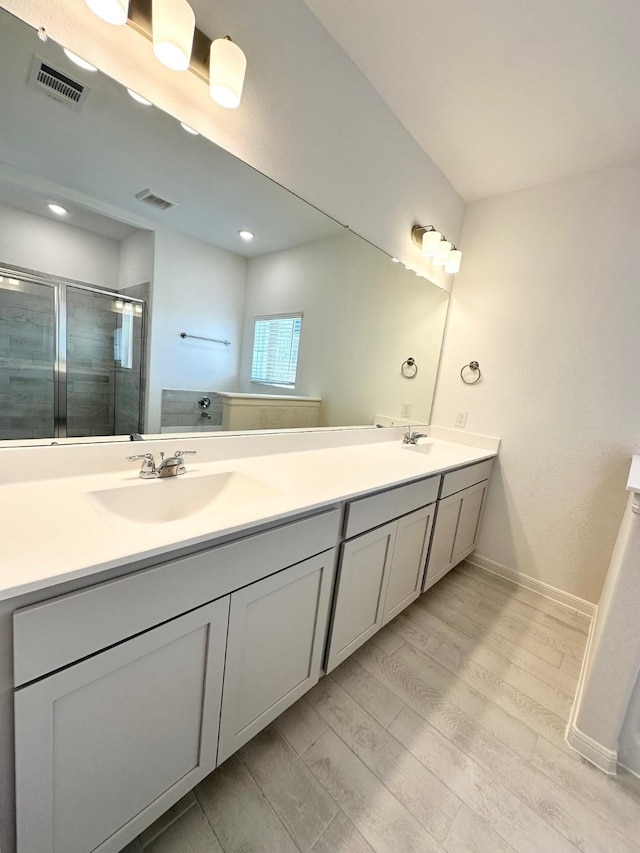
pixel 458 516
pixel 121 687
pixel 125 732
pixel 380 571
pixel 277 632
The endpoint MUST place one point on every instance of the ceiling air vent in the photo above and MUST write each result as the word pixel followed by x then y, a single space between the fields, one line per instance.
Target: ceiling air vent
pixel 45 78
pixel 149 197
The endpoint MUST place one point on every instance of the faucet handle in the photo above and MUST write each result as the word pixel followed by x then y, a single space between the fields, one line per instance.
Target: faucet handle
pixel 141 456
pixel 181 453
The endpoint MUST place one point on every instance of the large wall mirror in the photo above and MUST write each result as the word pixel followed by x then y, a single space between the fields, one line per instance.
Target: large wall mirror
pixel 142 308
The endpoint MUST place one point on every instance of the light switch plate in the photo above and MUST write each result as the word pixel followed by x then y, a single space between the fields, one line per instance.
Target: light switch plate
pixel 405 411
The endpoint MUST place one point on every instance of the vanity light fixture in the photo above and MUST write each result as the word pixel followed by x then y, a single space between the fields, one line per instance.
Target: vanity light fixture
pixel 189 129
pixel 58 209
pixel 435 246
pixel 139 98
pixel 179 45
pixel 112 11
pixel 246 235
pixel 173 27
pixel 227 67
pixel 78 60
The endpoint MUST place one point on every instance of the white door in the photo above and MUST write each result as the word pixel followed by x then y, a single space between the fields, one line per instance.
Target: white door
pixel 277 631
pixel 105 746
pixel 408 562
pixel 361 590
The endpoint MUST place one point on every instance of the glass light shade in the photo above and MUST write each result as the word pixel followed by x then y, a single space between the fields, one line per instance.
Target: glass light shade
pixel 452 264
pixel 430 243
pixel 111 11
pixel 227 67
pixel 173 24
pixel 444 250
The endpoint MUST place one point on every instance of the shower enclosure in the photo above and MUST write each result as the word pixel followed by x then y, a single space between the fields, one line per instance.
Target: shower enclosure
pixel 71 359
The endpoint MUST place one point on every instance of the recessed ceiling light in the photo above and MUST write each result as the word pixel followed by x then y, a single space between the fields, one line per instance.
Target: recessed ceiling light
pixel 79 60
pixel 58 209
pixel 189 129
pixel 246 235
pixel 139 98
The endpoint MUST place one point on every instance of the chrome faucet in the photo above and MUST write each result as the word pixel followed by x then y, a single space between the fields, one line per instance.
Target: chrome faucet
pixel 412 437
pixel 172 466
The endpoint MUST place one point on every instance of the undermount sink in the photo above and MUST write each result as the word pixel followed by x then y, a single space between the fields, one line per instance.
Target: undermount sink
pixel 175 498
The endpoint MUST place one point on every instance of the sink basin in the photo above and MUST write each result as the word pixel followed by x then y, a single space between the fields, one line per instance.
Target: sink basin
pixel 175 498
pixel 421 447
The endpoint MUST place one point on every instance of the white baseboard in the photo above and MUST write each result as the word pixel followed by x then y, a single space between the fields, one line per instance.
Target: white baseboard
pixel 596 753
pixel 545 589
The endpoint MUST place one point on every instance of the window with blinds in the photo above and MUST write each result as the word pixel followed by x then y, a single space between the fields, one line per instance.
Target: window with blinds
pixel 276 341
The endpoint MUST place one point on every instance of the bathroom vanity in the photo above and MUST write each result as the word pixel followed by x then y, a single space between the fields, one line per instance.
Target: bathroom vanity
pixel 136 675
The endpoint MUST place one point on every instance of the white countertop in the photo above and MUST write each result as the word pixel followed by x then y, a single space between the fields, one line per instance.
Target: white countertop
pixel 52 530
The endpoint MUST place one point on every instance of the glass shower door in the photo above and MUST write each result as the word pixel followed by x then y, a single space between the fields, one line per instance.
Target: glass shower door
pixel 102 363
pixel 27 359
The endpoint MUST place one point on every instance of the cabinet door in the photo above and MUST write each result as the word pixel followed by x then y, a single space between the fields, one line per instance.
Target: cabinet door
pixel 469 523
pixel 444 537
pixel 104 747
pixel 408 561
pixel 361 590
pixel 277 630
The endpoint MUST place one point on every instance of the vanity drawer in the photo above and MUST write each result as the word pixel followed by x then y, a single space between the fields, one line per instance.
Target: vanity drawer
pixel 464 477
pixel 55 633
pixel 366 513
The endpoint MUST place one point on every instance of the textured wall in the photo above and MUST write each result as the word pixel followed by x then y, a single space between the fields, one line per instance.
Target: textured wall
pixel 548 302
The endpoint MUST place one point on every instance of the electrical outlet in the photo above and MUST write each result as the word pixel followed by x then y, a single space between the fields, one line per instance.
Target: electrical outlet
pixel 405 411
pixel 461 419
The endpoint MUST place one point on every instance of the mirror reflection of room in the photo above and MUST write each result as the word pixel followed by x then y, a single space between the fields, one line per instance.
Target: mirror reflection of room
pixel 128 292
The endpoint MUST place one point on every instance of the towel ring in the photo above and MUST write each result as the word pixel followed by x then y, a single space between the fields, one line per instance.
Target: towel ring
pixel 409 368
pixel 475 367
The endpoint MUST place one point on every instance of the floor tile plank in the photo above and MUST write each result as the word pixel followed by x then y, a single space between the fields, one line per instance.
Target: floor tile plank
pixel 300 726
pixel 379 701
pixel 295 795
pixel 441 698
pixel 380 818
pixel 514 822
pixel 243 819
pixel 341 836
pixel 423 794
pixel 191 833
pixel 471 834
pixel 493 586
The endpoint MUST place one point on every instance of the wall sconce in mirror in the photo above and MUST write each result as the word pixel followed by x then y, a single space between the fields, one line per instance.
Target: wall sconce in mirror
pixel 434 245
pixel 179 45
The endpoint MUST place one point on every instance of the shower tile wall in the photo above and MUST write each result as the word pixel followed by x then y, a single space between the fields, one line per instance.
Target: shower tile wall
pixel 91 323
pixel 180 408
pixel 26 361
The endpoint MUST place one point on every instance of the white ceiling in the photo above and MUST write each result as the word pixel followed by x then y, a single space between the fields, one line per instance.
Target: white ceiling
pixel 502 94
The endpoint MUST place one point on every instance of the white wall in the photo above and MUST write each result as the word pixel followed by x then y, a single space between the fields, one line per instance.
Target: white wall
pixel 197 289
pixel 548 301
pixel 56 248
pixel 136 259
pixel 309 119
pixel 363 316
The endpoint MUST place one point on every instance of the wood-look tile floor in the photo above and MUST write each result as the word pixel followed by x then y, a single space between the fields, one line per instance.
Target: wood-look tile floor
pixel 445 732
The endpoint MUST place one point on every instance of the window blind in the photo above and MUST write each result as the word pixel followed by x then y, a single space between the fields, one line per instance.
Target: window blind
pixel 276 341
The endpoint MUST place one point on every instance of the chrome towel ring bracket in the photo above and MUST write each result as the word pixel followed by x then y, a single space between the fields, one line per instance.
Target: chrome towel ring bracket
pixel 409 368
pixel 473 377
